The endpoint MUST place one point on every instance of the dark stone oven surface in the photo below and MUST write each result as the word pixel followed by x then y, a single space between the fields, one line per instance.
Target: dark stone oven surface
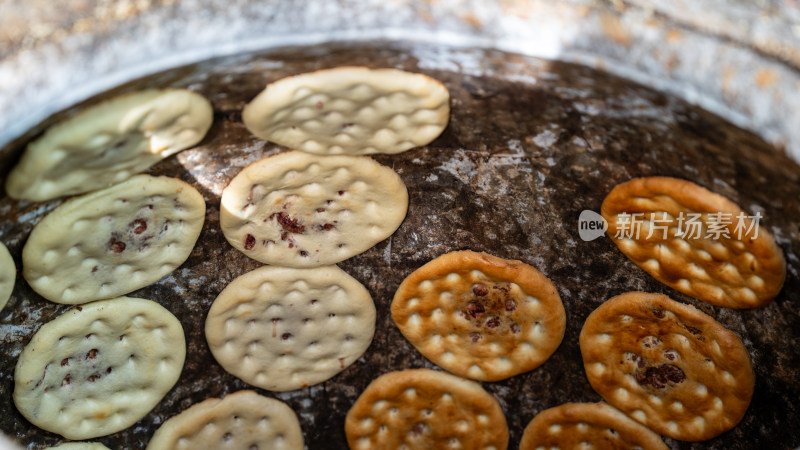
pixel 530 145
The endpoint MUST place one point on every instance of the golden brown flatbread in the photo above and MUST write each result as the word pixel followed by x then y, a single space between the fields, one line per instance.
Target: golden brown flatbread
pixel 480 316
pixel 667 365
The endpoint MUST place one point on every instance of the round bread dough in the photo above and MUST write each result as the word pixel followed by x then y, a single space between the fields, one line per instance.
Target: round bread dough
pixel 241 420
pixel 8 275
pixel 100 367
pixel 281 329
pixel 300 210
pixel 79 446
pixel 695 241
pixel 109 142
pixel 350 111
pixel 113 241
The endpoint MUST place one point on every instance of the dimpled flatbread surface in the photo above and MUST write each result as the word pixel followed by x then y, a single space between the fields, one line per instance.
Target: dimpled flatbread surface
pixel 695 241
pixel 422 409
pixel 113 241
pixel 667 365
pixel 300 210
pixel 8 275
pixel 109 142
pixel 281 329
pixel 79 446
pixel 587 425
pixel 99 367
pixel 241 420
pixel 510 176
pixel 350 110
pixel 480 316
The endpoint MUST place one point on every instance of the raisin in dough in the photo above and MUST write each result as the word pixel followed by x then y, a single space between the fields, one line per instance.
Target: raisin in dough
pixel 350 110
pixel 99 368
pixel 109 142
pixel 299 210
pixel 113 241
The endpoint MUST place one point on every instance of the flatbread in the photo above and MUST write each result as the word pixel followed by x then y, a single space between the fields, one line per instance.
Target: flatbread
pixel 350 110
pixel 282 329
pixel 480 316
pixel 100 367
pixel 243 420
pixel 667 365
pixel 109 142
pixel 726 259
pixel 425 409
pixel 79 446
pixel 8 275
pixel 299 210
pixel 113 241
pixel 587 425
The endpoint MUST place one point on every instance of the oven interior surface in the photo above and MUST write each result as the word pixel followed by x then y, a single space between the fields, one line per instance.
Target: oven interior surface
pixel 530 144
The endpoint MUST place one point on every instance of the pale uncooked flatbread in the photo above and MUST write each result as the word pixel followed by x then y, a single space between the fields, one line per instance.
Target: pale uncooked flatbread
pixel 114 241
pixel 8 275
pixel 99 367
pixel 110 142
pixel 242 420
pixel 79 446
pixel 282 329
pixel 350 110
pixel 299 210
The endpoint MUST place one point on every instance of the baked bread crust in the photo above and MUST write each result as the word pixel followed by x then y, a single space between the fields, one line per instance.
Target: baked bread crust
pixel 572 424
pixel 723 271
pixel 424 409
pixel 480 316
pixel 667 365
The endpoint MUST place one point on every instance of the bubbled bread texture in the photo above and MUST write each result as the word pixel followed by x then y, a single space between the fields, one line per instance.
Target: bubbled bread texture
pixel 351 111
pixel 423 408
pixel 739 266
pixel 299 210
pixel 109 142
pixel 667 365
pixel 113 241
pixel 242 419
pixel 590 425
pixel 530 144
pixel 480 316
pixel 282 329
pixel 100 367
